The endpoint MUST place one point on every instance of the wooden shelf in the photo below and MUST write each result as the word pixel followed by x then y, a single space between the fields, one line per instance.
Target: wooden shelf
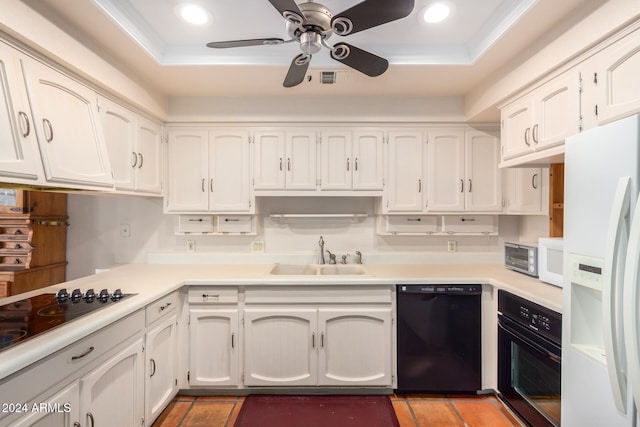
pixel 556 200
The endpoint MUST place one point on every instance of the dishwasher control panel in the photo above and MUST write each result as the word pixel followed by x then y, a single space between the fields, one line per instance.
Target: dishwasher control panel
pixel 471 289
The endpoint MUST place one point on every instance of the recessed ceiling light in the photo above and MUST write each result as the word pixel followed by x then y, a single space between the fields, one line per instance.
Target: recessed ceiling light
pixel 435 13
pixel 192 13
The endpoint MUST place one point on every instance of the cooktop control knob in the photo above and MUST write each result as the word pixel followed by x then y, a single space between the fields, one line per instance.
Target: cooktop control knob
pixel 76 295
pixel 117 295
pixel 62 295
pixel 90 295
pixel 104 295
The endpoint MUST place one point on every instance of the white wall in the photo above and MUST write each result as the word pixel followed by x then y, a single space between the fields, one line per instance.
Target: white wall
pixel 94 233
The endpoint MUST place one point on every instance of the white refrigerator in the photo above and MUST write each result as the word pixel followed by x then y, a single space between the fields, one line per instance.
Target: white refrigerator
pixel 600 352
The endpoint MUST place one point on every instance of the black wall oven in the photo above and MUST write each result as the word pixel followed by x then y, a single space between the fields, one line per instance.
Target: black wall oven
pixel 529 358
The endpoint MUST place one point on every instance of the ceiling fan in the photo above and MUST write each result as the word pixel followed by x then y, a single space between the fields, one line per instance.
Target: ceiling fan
pixel 311 24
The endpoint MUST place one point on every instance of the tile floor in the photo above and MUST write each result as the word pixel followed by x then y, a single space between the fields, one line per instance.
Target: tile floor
pixel 411 410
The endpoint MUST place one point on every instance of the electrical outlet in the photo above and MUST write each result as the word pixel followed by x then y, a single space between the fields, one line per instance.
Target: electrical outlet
pixel 257 246
pixel 191 245
pixel 451 245
pixel 125 230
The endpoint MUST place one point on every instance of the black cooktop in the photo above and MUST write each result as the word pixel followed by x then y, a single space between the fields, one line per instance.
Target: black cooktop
pixel 29 317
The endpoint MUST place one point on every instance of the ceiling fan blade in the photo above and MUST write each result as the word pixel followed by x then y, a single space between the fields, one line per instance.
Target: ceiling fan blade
pixel 286 6
pixel 297 70
pixel 242 43
pixel 358 59
pixel 370 13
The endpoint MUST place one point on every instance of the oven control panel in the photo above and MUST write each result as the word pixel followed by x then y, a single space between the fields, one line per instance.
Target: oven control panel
pixel 531 315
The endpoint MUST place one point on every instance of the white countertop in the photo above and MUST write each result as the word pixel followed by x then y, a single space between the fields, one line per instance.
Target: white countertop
pixel 152 281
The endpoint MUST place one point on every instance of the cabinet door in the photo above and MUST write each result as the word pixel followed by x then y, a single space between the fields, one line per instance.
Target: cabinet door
pixel 526 191
pixel 279 347
pixel 556 111
pixel 213 335
pixel 19 157
pixel 517 120
pixel 188 171
pixel 445 171
pixel 336 161
pixel 404 172
pixel 61 410
pixel 119 127
pixel 269 160
pixel 113 394
pixel 148 156
pixel 483 186
pixel 355 346
pixel 68 127
pixel 617 79
pixel 368 162
pixel 160 362
pixel 229 172
pixel 301 164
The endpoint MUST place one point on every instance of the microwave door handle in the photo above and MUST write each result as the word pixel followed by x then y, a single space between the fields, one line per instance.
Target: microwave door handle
pixel 611 291
pixel 630 306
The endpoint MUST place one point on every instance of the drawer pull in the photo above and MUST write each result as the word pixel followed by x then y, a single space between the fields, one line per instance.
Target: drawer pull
pixel 164 307
pixel 86 353
pixel 209 296
pixel 153 365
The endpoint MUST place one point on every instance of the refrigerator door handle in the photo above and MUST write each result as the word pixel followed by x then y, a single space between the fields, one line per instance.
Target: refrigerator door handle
pixel 611 291
pixel 631 306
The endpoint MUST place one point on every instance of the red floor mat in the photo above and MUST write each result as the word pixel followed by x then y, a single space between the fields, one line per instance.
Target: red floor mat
pixel 316 411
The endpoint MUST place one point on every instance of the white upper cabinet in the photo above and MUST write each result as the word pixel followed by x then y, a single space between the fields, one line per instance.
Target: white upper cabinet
pixel 526 191
pixel 19 157
pixel 405 180
pixel 301 162
pixel 617 71
pixel 209 171
pixel 269 160
pixel 68 128
pixel 351 160
pixel 483 184
pixel 134 147
pixel 542 118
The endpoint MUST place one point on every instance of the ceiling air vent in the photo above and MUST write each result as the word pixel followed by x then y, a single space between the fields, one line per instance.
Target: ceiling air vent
pixel 327 77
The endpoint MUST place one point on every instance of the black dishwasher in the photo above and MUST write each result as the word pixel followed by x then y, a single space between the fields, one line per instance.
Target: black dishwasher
pixel 439 338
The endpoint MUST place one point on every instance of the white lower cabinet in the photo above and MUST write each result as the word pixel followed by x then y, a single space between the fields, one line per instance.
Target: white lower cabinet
pixel 160 363
pixel 213 360
pixel 113 393
pixel 326 346
pixel 61 409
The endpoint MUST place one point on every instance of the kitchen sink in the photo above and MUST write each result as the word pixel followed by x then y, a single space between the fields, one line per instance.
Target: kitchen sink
pixel 293 270
pixel 341 270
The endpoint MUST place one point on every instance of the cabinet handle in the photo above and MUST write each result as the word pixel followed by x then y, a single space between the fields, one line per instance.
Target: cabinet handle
pixel 76 424
pixel 134 157
pixel 313 340
pixel 356 165
pixel 281 164
pixel 47 125
pixel 211 185
pixel 25 120
pixel 141 160
pixel 533 181
pixel 322 340
pixel 289 164
pixel 232 220
pixel 534 134
pixel 419 185
pixel 90 418
pixel 86 353
pixel 526 136
pixel 233 337
pixel 203 185
pixel 164 307
pixel 207 296
pixel 469 185
pixel 414 219
pixel 462 185
pixel 347 164
pixel 153 365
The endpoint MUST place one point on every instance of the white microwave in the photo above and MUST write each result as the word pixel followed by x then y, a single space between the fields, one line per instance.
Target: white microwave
pixel 550 260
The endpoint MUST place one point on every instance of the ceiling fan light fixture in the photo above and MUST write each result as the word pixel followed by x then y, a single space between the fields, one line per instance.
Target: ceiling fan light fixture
pixel 192 13
pixel 435 12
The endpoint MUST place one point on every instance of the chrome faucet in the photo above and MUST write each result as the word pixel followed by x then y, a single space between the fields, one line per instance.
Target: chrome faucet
pixel 344 258
pixel 321 243
pixel 332 257
pixel 359 259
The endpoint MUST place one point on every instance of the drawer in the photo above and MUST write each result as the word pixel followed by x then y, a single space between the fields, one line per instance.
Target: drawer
pixel 217 295
pixel 15 246
pixel 11 233
pixel 469 224
pixel 161 307
pixel 15 261
pixel 195 224
pixel 234 223
pixel 411 224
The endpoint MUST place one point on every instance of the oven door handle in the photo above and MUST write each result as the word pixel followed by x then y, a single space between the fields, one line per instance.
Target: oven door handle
pixel 550 355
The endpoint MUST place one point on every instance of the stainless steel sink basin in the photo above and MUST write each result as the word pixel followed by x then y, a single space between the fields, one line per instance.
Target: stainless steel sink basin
pixel 293 270
pixel 341 270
